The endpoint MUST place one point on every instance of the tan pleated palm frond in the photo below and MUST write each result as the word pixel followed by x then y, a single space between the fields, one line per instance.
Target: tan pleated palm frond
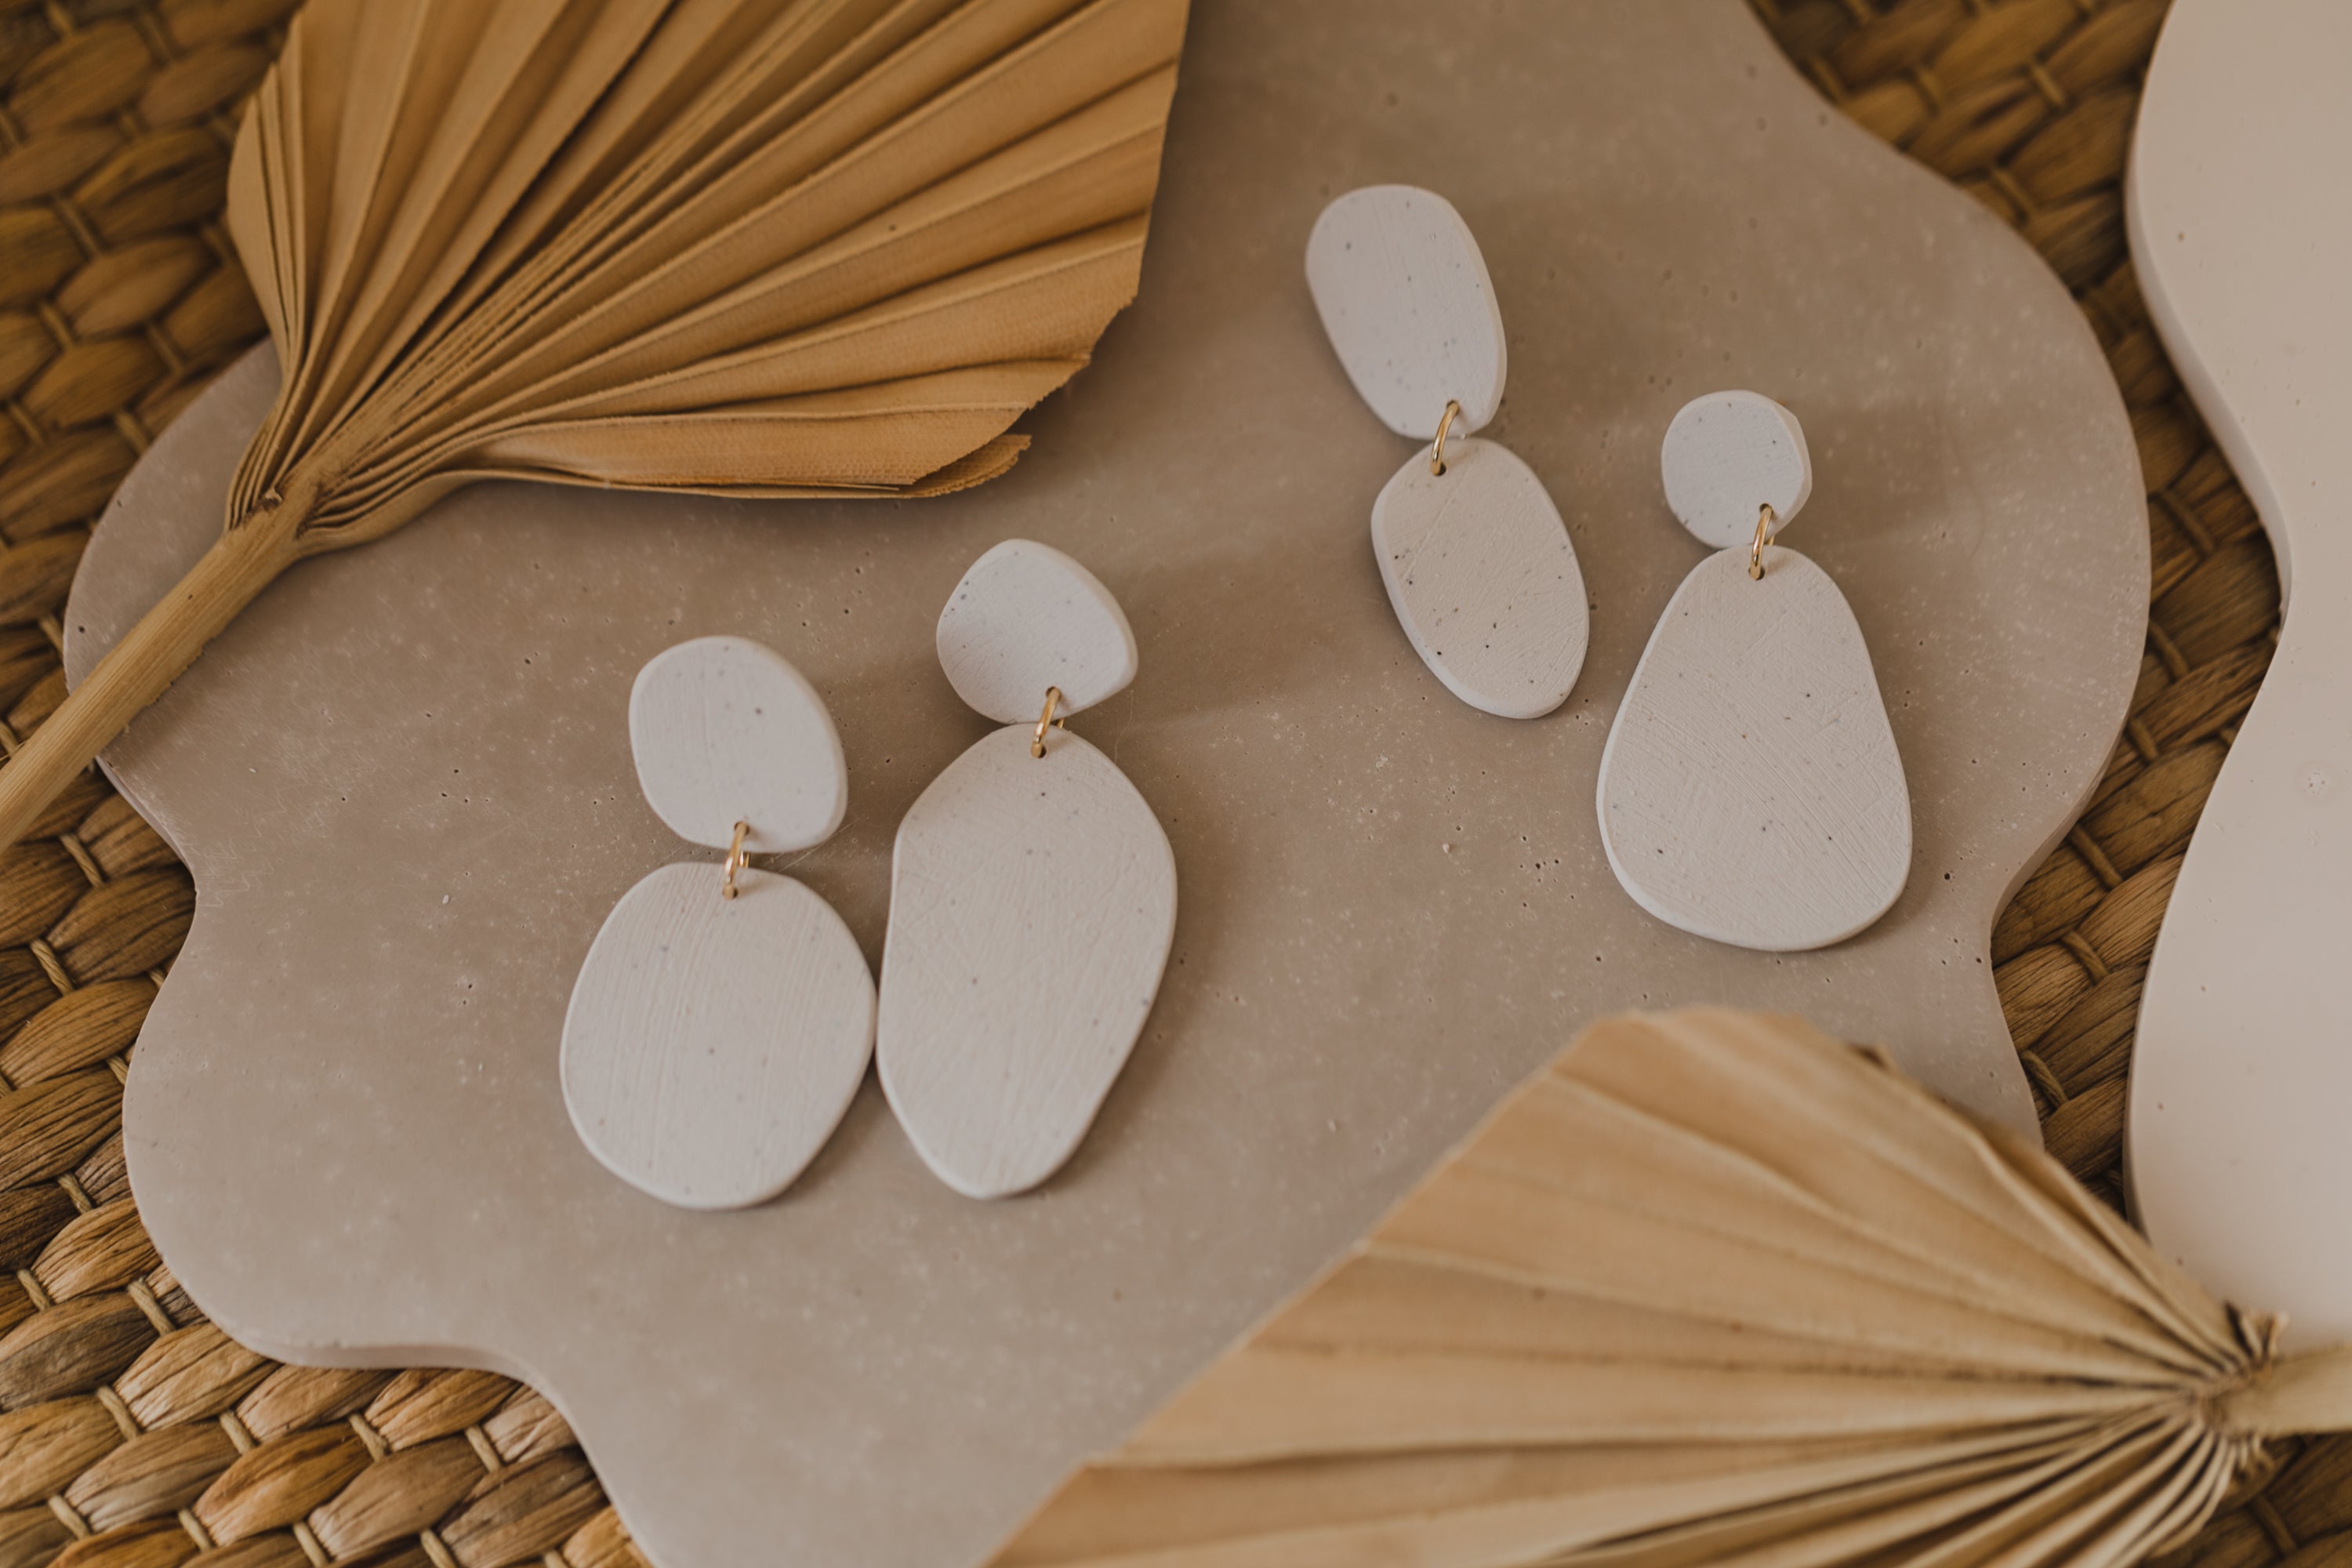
pixel 1713 1288
pixel 749 247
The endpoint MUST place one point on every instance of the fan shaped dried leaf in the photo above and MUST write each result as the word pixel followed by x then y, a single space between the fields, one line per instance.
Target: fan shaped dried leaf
pixel 827 247
pixel 1714 1289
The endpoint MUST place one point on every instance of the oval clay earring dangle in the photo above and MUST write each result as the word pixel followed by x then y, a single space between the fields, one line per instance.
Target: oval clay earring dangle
pixel 1751 791
pixel 1477 564
pixel 724 1016
pixel 1033 892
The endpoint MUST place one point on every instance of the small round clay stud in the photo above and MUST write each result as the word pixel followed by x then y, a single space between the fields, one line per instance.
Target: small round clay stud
pixel 1729 454
pixel 1025 618
pixel 1478 565
pixel 1033 892
pixel 1750 792
pixel 724 1016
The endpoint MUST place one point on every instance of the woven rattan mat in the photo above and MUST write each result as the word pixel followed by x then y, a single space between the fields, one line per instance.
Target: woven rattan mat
pixel 135 1435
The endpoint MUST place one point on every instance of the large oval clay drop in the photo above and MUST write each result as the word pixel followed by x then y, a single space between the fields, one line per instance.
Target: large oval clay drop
pixel 1750 792
pixel 1032 900
pixel 1482 575
pixel 712 1043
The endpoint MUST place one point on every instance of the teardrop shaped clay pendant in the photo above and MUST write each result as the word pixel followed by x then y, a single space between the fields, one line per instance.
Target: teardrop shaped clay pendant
pixel 1033 892
pixel 1750 792
pixel 724 1016
pixel 1477 564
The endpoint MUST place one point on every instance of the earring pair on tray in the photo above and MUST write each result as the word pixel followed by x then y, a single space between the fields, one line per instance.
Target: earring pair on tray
pixel 1751 791
pixel 724 1016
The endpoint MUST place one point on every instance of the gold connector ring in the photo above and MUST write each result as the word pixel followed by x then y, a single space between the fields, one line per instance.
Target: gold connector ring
pixel 1437 447
pixel 1038 742
pixel 737 859
pixel 1765 518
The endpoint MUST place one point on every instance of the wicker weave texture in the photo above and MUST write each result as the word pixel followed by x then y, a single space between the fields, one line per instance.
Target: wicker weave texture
pixel 134 1433
pixel 2028 105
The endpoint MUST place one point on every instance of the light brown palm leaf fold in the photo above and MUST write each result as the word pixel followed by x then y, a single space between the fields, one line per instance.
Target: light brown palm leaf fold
pixel 1713 1288
pixel 822 247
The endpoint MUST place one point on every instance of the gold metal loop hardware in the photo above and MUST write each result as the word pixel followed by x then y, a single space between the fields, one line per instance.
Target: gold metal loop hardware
pixel 737 859
pixel 1053 700
pixel 1765 518
pixel 1437 447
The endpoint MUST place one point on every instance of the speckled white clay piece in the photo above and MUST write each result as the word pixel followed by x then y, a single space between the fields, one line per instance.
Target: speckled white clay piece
pixel 1478 567
pixel 719 1025
pixel 1750 792
pixel 1025 618
pixel 1725 455
pixel 726 730
pixel 712 1043
pixel 1483 579
pixel 1405 295
pixel 1033 892
pixel 1033 901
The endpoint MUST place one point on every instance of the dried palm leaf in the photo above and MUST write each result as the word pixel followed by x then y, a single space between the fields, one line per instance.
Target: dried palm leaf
pixel 1714 1289
pixel 820 247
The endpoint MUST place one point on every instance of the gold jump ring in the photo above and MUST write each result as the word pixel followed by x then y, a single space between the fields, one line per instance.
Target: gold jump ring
pixel 1437 447
pixel 1038 742
pixel 1765 517
pixel 737 859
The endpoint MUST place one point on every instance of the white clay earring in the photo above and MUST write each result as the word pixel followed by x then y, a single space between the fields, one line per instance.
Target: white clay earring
pixel 724 1016
pixel 1033 892
pixel 1478 567
pixel 1751 791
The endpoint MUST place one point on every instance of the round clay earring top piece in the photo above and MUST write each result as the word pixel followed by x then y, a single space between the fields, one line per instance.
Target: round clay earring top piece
pixel 726 730
pixel 1026 618
pixel 1726 456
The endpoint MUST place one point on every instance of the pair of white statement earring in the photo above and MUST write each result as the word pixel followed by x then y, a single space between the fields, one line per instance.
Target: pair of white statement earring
pixel 1751 791
pixel 724 1016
